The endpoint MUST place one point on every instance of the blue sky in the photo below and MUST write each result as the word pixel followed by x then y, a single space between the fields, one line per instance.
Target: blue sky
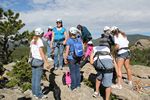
pixel 131 16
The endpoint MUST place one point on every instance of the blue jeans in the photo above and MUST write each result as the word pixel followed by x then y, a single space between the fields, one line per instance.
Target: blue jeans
pixel 48 49
pixel 75 74
pixel 36 81
pixel 58 54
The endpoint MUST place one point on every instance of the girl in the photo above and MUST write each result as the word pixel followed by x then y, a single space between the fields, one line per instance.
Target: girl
pixel 123 55
pixel 48 37
pixel 87 54
pixel 38 60
pixel 73 64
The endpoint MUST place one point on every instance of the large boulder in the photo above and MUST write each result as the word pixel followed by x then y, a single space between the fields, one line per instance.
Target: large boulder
pixel 142 44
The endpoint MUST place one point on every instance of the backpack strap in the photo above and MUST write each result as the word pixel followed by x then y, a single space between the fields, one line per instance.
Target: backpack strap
pixel 97 55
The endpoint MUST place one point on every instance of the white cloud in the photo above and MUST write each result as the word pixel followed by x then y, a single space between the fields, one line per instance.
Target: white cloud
pixel 131 16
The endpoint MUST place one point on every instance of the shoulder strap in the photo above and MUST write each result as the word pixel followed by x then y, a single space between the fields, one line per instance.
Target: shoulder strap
pixel 98 54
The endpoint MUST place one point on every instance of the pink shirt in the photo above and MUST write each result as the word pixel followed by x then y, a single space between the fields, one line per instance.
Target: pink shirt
pixel 88 51
pixel 48 35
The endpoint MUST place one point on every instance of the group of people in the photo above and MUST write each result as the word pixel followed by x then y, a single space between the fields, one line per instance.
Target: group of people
pixel 76 49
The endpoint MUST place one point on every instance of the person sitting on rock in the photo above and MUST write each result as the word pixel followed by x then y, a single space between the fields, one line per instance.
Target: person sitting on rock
pixel 103 62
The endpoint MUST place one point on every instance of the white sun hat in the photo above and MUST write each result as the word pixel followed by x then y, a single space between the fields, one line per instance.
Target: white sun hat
pixel 50 27
pixel 113 28
pixel 106 28
pixel 38 31
pixel 74 30
pixel 59 20
pixel 90 42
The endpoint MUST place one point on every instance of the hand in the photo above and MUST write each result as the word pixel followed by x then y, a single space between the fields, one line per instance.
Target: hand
pixel 46 65
pixel 66 61
pixel 64 42
pixel 29 60
pixel 51 45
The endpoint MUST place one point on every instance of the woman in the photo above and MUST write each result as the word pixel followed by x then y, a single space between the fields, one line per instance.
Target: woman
pixel 38 60
pixel 73 64
pixel 123 56
pixel 59 37
pixel 47 37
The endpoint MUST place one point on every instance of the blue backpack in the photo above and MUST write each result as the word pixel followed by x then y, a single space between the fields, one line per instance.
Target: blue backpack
pixel 78 50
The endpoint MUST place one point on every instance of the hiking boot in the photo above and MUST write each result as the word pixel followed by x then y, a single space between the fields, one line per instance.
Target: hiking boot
pixel 95 95
pixel 116 86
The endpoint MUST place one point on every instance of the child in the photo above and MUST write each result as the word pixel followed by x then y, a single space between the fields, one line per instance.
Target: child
pixel 87 54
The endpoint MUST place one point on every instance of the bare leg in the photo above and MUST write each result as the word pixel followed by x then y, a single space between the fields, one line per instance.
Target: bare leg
pixel 97 85
pixel 107 92
pixel 120 63
pixel 128 69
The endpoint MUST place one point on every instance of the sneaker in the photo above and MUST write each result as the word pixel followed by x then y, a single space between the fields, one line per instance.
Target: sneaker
pixel 50 59
pixel 61 68
pixel 41 98
pixel 56 68
pixel 95 95
pixel 128 82
pixel 116 86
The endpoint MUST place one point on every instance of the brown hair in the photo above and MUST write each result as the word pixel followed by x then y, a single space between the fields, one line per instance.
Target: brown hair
pixel 61 24
pixel 117 32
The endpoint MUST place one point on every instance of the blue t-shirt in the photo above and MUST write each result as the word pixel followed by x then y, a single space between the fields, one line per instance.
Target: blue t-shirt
pixel 59 34
pixel 70 43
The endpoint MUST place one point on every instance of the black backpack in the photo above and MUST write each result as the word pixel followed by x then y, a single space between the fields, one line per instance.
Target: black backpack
pixel 106 40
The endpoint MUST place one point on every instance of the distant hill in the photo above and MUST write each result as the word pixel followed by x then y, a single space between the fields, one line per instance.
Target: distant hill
pixel 132 38
pixel 135 37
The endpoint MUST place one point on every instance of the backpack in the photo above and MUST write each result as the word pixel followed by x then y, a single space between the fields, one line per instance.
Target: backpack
pixel 78 50
pixel 106 40
pixel 99 65
pixel 66 79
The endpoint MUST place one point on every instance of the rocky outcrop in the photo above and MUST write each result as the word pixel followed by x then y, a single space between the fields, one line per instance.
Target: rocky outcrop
pixel 141 77
pixel 141 44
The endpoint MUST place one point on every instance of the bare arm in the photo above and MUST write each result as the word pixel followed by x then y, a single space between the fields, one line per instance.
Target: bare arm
pixel 66 37
pixel 67 53
pixel 51 44
pixel 116 46
pixel 42 54
pixel 92 58
pixel 47 65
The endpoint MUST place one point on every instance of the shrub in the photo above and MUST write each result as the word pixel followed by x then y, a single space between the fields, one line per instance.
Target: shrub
pixel 140 57
pixel 20 75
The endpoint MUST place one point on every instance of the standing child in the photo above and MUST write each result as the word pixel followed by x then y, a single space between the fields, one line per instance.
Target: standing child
pixel 74 48
pixel 47 37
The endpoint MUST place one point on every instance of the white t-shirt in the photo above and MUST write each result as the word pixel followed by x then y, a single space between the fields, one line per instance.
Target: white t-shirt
pixel 122 42
pixel 35 48
pixel 102 48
